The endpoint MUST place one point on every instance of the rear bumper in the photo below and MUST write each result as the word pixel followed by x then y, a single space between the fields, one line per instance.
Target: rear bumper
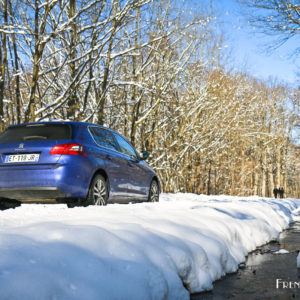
pixel 29 193
pixel 49 182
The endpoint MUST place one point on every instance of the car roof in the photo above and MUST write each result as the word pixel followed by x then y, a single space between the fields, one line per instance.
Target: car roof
pixel 54 122
pixel 76 123
pixel 59 122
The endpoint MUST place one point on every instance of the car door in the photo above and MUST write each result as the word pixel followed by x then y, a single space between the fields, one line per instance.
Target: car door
pixel 115 166
pixel 139 172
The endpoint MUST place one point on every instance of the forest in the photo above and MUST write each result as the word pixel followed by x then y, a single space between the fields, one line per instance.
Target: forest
pixel 158 72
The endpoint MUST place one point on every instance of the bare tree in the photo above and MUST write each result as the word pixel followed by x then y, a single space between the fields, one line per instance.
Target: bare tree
pixel 155 71
pixel 277 18
pixel 3 60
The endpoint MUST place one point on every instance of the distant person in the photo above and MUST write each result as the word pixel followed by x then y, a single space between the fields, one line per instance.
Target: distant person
pixel 281 191
pixel 275 192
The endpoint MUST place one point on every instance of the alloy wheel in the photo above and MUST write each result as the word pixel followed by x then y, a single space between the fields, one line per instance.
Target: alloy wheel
pixel 154 192
pixel 100 192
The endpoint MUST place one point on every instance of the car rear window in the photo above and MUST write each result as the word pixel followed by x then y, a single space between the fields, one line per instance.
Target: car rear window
pixel 36 132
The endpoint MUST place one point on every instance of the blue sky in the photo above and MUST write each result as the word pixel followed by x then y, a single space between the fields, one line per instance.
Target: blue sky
pixel 249 48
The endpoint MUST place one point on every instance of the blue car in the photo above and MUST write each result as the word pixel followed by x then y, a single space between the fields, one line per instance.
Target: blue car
pixel 72 162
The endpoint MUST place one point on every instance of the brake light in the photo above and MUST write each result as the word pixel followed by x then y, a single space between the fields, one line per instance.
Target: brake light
pixel 68 149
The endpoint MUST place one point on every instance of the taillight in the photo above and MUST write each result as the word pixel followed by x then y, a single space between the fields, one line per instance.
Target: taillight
pixel 68 149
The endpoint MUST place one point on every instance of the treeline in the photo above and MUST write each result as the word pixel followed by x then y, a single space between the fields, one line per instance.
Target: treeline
pixel 156 72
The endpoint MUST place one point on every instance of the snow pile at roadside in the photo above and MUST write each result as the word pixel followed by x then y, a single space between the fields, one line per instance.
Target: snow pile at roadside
pixel 136 251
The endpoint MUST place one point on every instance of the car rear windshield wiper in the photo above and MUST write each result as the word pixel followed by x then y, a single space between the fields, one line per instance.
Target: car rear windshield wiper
pixel 34 137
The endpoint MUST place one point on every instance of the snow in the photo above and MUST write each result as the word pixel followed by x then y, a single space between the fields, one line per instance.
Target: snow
pixel 296 215
pixel 138 251
pixel 282 251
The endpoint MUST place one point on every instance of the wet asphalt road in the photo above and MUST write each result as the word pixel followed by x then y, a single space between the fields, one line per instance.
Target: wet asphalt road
pixel 263 271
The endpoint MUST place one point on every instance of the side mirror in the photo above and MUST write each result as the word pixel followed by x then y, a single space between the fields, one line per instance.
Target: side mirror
pixel 145 155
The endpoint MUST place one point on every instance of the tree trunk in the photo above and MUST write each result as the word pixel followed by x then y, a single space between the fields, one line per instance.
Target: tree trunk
pixel 232 187
pixel 104 85
pixel 263 174
pixel 136 107
pixel 209 179
pixel 271 179
pixel 255 177
pixel 73 100
pixel 3 65
pixel 278 169
pixel 17 71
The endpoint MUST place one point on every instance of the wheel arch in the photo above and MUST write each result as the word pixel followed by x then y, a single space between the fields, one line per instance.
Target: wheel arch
pixel 104 174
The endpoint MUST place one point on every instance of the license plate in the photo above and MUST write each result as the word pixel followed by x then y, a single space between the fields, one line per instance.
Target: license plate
pixel 16 158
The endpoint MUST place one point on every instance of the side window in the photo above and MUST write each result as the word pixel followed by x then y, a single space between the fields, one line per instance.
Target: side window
pixel 126 148
pixel 103 138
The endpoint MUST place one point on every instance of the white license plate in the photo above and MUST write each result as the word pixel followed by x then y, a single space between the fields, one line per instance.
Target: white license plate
pixel 23 158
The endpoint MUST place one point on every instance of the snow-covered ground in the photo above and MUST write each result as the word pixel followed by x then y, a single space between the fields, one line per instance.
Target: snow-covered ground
pixel 136 251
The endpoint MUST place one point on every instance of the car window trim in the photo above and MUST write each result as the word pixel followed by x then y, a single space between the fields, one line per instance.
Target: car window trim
pixel 90 132
pixel 112 132
pixel 137 156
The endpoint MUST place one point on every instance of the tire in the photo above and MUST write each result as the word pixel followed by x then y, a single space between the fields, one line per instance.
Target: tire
pixel 71 203
pixel 8 203
pixel 153 192
pixel 98 192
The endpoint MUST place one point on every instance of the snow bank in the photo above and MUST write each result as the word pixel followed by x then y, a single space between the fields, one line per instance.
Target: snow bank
pixel 138 251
